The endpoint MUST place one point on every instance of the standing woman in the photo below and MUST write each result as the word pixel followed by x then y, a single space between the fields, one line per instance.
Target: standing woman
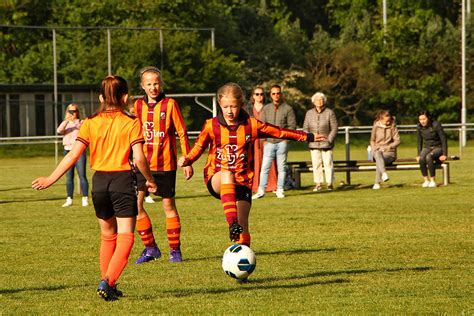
pixel 321 120
pixel 432 147
pixel 112 135
pixel 70 129
pixel 384 141
pixel 254 109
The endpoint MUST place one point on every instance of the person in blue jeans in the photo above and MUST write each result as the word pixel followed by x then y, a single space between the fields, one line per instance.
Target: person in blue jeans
pixel 69 128
pixel 282 115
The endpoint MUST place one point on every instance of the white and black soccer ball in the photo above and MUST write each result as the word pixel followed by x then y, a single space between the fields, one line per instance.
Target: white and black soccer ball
pixel 239 261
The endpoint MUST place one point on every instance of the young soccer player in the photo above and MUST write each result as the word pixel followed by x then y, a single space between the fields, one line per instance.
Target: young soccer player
pixel 111 135
pixel 228 172
pixel 161 119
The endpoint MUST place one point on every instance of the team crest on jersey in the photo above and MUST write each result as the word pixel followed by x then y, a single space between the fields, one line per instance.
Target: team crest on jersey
pixel 162 115
pixel 247 138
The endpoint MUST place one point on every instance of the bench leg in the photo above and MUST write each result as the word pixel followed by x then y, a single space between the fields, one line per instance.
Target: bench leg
pixel 445 167
pixel 297 178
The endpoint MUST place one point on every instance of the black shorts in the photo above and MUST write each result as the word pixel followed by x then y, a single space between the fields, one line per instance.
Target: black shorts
pixel 165 180
pixel 242 193
pixel 114 193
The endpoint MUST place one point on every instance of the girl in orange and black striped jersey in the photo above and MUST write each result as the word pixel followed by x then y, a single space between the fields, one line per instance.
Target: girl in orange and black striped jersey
pixel 228 172
pixel 162 120
pixel 111 135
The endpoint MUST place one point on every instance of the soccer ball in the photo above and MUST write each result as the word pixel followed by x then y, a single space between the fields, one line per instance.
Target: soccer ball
pixel 239 261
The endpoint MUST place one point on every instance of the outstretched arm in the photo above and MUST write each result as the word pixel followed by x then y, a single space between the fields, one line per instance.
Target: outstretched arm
pixel 202 142
pixel 66 163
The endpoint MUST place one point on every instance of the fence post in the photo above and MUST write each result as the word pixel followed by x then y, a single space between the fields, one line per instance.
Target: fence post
pixel 348 152
pixel 109 53
pixel 461 135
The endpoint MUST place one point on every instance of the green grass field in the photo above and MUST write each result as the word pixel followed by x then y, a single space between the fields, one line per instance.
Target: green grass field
pixel 402 249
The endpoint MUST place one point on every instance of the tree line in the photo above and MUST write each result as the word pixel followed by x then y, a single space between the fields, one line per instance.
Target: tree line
pixel 338 47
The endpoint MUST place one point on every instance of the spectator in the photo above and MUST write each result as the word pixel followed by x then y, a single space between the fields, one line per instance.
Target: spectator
pixel 432 147
pixel 254 109
pixel 280 114
pixel 321 120
pixel 384 141
pixel 69 128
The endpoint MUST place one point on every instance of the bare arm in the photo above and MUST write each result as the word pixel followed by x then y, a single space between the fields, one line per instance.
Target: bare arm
pixel 66 163
pixel 143 166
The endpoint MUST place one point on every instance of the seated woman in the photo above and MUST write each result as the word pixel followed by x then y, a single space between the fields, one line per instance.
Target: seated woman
pixel 432 147
pixel 384 141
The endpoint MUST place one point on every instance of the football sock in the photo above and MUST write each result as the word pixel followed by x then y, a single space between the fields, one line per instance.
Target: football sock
pixel 173 228
pixel 120 258
pixel 228 202
pixel 244 239
pixel 145 231
pixel 107 248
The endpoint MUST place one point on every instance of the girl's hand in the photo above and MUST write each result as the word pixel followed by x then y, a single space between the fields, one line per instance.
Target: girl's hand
pixel 151 186
pixel 41 183
pixel 183 161
pixel 418 158
pixel 188 172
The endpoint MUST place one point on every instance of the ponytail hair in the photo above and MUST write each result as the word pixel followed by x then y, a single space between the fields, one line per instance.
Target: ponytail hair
pixel 112 90
pixel 231 90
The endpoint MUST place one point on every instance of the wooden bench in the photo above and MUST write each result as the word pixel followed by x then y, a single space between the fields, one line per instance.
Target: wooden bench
pixel 348 166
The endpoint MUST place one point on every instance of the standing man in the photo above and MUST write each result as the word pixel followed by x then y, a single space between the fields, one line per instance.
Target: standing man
pixel 282 115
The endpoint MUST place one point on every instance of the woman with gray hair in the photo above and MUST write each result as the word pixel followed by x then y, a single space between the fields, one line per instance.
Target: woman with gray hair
pixel 321 120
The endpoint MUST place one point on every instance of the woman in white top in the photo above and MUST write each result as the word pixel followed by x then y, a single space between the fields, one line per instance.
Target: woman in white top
pixel 69 128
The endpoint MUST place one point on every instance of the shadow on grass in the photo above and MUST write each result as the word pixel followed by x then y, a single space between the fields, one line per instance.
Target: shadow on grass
pixel 22 200
pixel 16 189
pixel 270 253
pixel 262 283
pixel 39 288
pixel 250 286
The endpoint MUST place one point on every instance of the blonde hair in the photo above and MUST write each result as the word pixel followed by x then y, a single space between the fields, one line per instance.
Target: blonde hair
pixel 78 114
pixel 319 95
pixel 231 90
pixel 154 70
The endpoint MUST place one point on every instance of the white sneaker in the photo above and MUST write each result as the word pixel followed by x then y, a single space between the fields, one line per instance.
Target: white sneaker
pixel 376 186
pixel 432 184
pixel 259 194
pixel 68 202
pixel 149 199
pixel 425 184
pixel 280 193
pixel 85 201
pixel 385 177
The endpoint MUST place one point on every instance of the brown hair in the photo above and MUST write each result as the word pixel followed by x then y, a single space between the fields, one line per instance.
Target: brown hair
pixel 383 113
pixel 112 90
pixel 231 90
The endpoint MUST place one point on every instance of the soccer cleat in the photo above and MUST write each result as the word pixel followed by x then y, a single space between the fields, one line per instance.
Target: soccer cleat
pixel 106 292
pixel 259 194
pixel 376 186
pixel 280 193
pixel 149 254
pixel 234 231
pixel 68 202
pixel 149 199
pixel 175 255
pixel 385 177
pixel 117 292
pixel 425 184
pixel 85 201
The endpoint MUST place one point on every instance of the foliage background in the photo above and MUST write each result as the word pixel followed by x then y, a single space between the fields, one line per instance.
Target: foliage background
pixel 338 47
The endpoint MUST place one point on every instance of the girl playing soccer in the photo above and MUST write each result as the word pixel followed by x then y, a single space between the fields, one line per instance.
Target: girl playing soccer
pixel 111 135
pixel 161 119
pixel 228 172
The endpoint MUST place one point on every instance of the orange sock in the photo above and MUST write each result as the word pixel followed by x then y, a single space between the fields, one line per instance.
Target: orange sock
pixel 145 231
pixel 244 239
pixel 120 258
pixel 107 248
pixel 173 228
pixel 228 202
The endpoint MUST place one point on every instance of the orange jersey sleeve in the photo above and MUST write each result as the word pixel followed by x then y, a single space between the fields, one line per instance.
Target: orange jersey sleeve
pixel 266 130
pixel 202 142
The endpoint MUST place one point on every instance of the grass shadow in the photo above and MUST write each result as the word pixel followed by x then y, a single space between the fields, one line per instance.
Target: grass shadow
pixel 15 189
pixel 30 200
pixel 268 253
pixel 44 288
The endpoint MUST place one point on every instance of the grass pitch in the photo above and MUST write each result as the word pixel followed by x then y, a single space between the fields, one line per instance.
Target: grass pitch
pixel 401 249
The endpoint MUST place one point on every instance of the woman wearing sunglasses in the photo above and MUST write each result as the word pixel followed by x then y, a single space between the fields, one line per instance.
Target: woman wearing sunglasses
pixel 69 128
